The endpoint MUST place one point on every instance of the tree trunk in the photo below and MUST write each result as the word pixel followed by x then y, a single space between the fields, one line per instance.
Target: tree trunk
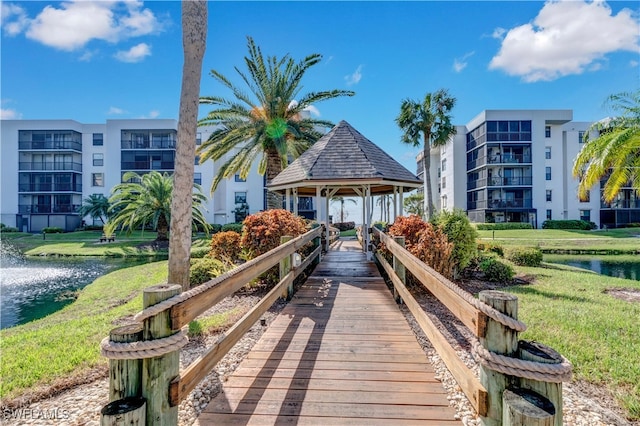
pixel 194 37
pixel 162 229
pixel 426 161
pixel 274 167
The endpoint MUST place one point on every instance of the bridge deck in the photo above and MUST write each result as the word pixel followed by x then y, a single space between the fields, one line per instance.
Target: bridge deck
pixel 341 353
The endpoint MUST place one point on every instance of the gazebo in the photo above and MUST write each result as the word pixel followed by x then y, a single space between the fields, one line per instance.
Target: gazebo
pixel 344 163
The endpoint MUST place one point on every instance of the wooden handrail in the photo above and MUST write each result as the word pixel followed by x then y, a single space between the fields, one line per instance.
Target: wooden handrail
pixel 470 316
pixel 227 284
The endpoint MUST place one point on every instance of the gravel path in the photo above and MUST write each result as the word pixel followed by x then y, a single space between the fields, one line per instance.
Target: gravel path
pixel 584 405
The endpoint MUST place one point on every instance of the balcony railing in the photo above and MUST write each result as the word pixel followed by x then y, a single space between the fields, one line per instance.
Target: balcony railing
pixel 47 208
pixel 509 158
pixel 147 165
pixel 50 145
pixel 50 165
pixel 621 204
pixel 500 181
pixel 516 203
pixel 49 187
pixel 145 144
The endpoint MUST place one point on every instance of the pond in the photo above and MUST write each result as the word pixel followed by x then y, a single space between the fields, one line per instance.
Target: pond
pixel 614 266
pixel 31 288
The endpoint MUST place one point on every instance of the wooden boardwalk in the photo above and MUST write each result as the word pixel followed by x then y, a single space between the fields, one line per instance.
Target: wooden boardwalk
pixel 340 353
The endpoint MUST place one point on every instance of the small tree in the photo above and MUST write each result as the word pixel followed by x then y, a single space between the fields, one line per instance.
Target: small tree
pixel 461 233
pixel 96 206
pixel 414 204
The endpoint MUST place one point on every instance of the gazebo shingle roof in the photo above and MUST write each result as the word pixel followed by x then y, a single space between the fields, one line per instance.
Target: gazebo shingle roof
pixel 341 156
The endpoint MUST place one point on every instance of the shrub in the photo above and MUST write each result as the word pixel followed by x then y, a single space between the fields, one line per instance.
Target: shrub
pixel 262 231
pixel 5 228
pixel 205 269
pixel 435 249
pixel 568 224
pixel 461 233
pixel 226 246
pixel 496 271
pixel 216 227
pixel 199 252
pixel 235 227
pixel 502 226
pixel 344 226
pixel 52 230
pixel 195 329
pixel 491 247
pixel 408 227
pixel 524 256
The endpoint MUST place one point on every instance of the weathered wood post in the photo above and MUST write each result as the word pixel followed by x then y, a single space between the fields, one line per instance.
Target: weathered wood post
pixel 128 411
pixel 523 407
pixel 316 243
pixel 125 375
pixel 285 268
pixel 157 372
pixel 501 340
pixel 399 268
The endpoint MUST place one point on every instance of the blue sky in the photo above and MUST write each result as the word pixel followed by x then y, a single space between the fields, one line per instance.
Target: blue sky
pixel 92 61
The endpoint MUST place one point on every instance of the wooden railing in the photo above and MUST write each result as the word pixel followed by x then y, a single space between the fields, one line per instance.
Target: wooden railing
pixel 133 379
pixel 498 398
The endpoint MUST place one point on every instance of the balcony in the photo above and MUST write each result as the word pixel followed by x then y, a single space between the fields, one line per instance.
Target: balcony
pixel 164 143
pixel 50 165
pixel 621 204
pixel 503 203
pixel 509 158
pixel 47 208
pixel 500 181
pixel 147 165
pixel 50 145
pixel 49 187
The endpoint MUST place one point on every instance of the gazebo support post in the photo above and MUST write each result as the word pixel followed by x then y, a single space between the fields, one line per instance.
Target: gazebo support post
pixel 395 204
pixel 401 201
pixel 368 222
pixel 295 201
pixel 318 198
pixel 288 200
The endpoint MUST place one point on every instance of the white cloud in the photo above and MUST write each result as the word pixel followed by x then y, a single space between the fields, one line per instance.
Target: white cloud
pixel 567 37
pixel 75 23
pixel 313 110
pixel 14 19
pixel 633 63
pixel 136 54
pixel 461 63
pixel 9 114
pixel 498 32
pixel 355 77
pixel 115 111
pixel 154 114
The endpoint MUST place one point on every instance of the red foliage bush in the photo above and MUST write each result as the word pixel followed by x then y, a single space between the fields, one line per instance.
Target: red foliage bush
pixel 408 227
pixel 226 246
pixel 435 249
pixel 262 231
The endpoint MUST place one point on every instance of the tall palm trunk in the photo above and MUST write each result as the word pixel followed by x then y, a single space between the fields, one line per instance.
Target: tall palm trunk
pixel 274 167
pixel 426 162
pixel 194 37
pixel 162 229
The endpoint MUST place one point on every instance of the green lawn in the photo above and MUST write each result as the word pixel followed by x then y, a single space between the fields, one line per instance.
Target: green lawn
pixel 598 333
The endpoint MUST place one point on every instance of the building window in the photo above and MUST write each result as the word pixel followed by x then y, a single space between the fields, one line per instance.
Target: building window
pixel 585 215
pixel 98 159
pixel 241 197
pixel 586 198
pixel 98 139
pixel 580 137
pixel 444 182
pixel 547 131
pixel 237 178
pixel 444 202
pixel 548 173
pixel 197 160
pixel 198 138
pixel 197 178
pixel 547 152
pixel 444 165
pixel 97 179
pixel 548 195
pixel 548 214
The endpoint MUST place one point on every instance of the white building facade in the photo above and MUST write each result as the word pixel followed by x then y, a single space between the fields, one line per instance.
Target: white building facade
pixel 516 166
pixel 50 166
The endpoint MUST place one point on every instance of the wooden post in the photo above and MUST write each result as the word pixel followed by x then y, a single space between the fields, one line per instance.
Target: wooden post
pixel 316 243
pixel 534 351
pixel 125 375
pixel 400 270
pixel 526 408
pixel 127 411
pixel 158 372
pixel 285 268
pixel 503 341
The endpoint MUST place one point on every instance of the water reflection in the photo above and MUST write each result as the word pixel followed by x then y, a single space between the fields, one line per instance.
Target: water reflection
pixel 611 267
pixel 33 288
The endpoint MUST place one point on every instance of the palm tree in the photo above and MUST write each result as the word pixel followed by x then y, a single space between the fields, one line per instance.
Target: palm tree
pixel 414 204
pixel 272 123
pixel 96 206
pixel 194 37
pixel 432 119
pixel 342 200
pixel 146 199
pixel 614 154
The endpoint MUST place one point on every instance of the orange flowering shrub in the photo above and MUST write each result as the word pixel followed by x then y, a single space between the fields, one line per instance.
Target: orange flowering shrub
pixel 435 249
pixel 226 246
pixel 262 231
pixel 408 227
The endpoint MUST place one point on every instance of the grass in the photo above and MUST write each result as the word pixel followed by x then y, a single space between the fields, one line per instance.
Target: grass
pixel 624 240
pixel 598 333
pixel 349 233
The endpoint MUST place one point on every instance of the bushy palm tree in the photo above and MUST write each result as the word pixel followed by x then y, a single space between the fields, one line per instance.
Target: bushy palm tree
pixel 269 122
pixel 414 204
pixel 614 154
pixel 146 200
pixel 430 118
pixel 96 206
pixel 342 200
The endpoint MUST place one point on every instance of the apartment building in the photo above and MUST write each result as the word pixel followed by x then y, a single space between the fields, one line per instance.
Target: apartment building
pixel 50 166
pixel 516 166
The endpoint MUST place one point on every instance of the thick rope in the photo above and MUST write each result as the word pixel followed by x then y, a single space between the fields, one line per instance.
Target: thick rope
pixel 143 349
pixel 553 373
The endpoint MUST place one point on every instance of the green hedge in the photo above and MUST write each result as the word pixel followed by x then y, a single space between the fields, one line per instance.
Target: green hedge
pixel 52 230
pixel 568 224
pixel 502 226
pixel 524 256
pixel 496 271
pixel 235 227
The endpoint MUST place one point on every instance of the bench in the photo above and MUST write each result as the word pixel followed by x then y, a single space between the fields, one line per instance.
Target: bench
pixel 105 238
